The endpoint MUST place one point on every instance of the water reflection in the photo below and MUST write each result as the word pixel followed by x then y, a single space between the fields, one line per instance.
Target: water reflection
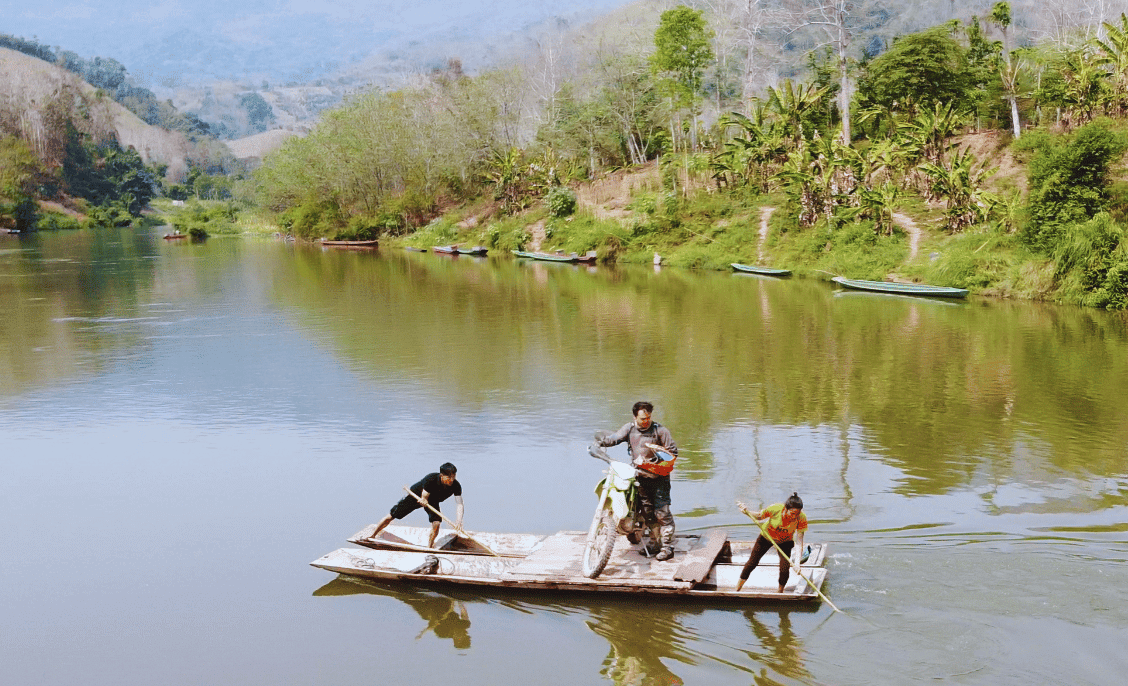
pixel 780 650
pixel 650 642
pixel 645 642
pixel 445 617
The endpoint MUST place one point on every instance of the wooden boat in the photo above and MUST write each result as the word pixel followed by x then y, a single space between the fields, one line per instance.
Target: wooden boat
pixel 705 565
pixel 901 288
pixel 455 250
pixel 559 256
pixel 400 537
pixel 175 236
pixel 763 271
pixel 397 537
pixel 350 244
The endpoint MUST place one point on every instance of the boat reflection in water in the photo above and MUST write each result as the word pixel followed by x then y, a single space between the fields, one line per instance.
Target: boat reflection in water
pixel 444 616
pixel 648 643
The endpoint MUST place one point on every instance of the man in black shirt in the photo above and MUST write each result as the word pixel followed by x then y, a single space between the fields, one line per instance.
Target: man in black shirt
pixel 433 489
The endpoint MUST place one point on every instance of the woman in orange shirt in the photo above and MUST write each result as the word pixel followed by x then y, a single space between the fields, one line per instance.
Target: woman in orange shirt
pixel 786 524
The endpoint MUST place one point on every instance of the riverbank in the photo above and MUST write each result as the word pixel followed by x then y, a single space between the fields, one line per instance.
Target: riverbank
pixel 626 219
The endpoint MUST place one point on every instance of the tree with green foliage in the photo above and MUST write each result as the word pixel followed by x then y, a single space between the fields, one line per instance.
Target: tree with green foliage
pixel 18 172
pixel 918 71
pixel 682 52
pixel 1068 182
pixel 260 115
pixel 105 174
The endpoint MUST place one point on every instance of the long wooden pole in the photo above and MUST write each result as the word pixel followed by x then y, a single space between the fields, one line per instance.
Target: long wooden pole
pixel 783 555
pixel 454 526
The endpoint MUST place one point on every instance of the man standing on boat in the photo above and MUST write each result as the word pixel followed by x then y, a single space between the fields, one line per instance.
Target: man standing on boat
pixel 431 489
pixel 652 473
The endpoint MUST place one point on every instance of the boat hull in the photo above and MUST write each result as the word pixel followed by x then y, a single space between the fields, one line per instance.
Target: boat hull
pixel 763 271
pixel 351 244
pixel 918 289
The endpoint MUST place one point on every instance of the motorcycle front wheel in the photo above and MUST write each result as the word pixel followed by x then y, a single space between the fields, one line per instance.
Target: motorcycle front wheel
pixel 600 543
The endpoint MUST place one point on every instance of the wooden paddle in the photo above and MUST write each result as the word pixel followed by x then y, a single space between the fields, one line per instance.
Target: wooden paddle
pixel 785 556
pixel 454 526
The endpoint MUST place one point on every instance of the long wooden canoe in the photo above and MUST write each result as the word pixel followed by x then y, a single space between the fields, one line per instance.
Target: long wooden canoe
pixel 351 244
pixel 901 288
pixel 175 236
pixel 570 258
pixel 763 271
pixel 704 565
pixel 455 250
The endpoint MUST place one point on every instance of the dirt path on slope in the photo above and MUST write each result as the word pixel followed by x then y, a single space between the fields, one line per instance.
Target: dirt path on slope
pixel 909 226
pixel 765 215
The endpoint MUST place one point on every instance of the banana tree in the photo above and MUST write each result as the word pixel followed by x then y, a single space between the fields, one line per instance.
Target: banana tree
pixel 961 183
pixel 794 104
pixel 1113 53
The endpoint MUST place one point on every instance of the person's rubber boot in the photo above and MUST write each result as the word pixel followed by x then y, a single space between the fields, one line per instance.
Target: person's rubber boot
pixel 653 545
pixel 667 533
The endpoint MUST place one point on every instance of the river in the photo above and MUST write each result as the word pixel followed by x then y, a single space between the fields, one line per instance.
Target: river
pixel 184 427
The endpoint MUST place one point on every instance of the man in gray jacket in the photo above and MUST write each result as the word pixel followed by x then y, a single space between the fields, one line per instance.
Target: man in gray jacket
pixel 652 473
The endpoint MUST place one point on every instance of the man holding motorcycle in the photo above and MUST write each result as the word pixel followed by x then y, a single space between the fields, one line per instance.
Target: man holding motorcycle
pixel 653 466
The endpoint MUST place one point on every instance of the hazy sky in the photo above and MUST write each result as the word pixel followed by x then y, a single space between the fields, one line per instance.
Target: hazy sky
pixel 155 38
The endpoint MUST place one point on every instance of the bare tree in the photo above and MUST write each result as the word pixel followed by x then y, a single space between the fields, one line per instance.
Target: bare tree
pixel 835 22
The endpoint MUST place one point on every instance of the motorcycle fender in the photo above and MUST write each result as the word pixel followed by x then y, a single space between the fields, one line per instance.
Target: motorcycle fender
pixel 619 504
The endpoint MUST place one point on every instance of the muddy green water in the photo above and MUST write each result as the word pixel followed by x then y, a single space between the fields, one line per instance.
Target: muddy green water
pixel 183 428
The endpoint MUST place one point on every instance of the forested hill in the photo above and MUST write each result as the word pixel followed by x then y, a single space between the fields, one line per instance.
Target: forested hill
pixel 33 94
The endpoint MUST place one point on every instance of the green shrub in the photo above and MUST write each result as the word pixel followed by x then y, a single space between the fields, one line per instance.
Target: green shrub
pixel 54 221
pixel 1069 182
pixel 560 201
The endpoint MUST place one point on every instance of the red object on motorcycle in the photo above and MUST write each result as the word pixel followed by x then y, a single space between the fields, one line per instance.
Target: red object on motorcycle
pixel 659 468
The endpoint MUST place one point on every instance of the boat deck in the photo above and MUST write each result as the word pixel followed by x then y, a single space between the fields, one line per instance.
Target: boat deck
pixel 555 563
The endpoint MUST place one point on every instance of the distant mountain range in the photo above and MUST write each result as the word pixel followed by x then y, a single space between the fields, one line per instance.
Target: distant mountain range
pixel 174 44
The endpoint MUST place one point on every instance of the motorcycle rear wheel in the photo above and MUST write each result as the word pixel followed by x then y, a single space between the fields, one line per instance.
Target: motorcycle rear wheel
pixel 600 543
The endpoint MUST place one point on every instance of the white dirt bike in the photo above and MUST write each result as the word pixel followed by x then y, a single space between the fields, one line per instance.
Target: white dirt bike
pixel 617 513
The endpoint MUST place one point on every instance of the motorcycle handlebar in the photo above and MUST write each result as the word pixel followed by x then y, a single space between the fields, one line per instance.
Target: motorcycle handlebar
pixel 597 451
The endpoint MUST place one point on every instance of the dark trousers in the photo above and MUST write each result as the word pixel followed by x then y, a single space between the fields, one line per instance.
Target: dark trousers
pixel 654 502
pixel 762 546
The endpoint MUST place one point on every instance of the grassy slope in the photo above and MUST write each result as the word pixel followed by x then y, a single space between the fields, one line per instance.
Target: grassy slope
pixel 627 219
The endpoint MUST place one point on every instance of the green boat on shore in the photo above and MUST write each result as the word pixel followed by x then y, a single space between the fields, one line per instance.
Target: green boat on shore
pixel 919 289
pixel 763 271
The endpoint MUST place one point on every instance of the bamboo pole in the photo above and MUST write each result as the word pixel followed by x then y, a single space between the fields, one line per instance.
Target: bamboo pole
pixel 454 526
pixel 798 569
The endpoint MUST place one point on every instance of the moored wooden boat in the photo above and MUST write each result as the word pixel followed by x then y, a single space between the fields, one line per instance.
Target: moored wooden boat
pixel 764 271
pixel 559 256
pixel 175 236
pixel 351 244
pixel 704 565
pixel 445 249
pixel 476 250
pixel 901 288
